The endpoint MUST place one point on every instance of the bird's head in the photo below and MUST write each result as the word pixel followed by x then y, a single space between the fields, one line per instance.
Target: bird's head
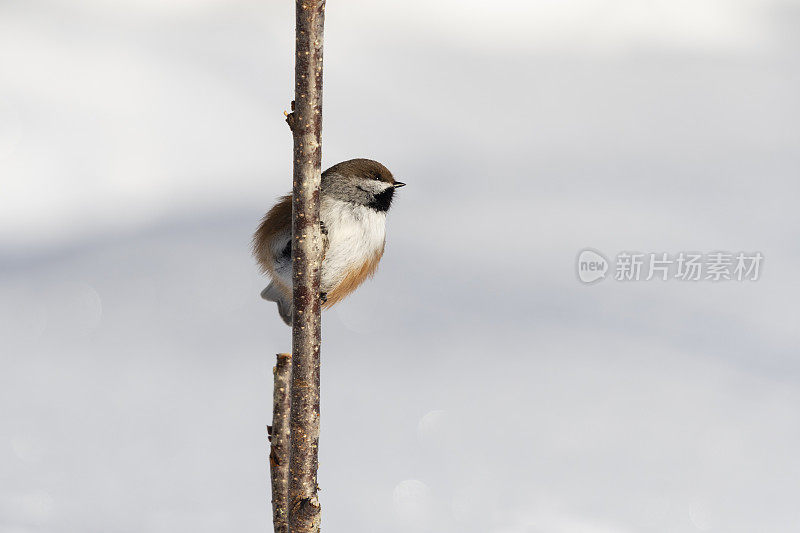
pixel 361 181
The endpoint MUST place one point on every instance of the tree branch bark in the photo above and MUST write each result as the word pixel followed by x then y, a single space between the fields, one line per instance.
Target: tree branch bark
pixel 305 122
pixel 279 438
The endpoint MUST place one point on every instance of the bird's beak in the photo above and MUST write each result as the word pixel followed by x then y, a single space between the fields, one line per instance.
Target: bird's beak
pixel 398 184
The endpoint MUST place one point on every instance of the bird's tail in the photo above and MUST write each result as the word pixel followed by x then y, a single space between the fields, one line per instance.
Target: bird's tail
pixel 274 294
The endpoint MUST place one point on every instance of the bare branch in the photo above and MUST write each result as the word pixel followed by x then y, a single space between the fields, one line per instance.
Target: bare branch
pixel 279 437
pixel 305 122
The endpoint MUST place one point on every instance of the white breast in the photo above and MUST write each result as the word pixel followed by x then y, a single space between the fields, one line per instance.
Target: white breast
pixel 355 234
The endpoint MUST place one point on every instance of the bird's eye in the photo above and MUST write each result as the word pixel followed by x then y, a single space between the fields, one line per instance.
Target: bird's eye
pixel 377 178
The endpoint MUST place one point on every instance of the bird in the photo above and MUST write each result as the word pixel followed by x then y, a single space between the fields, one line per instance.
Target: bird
pixel 355 196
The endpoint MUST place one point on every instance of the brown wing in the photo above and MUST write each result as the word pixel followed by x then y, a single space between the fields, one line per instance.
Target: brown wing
pixel 276 221
pixel 353 279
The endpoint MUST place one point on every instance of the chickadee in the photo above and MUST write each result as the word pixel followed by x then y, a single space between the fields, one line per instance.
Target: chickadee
pixel 354 198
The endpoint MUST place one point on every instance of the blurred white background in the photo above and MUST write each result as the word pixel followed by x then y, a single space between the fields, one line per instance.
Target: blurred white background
pixel 474 385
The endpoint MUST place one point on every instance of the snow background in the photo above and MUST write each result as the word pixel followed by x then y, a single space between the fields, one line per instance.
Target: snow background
pixel 474 385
